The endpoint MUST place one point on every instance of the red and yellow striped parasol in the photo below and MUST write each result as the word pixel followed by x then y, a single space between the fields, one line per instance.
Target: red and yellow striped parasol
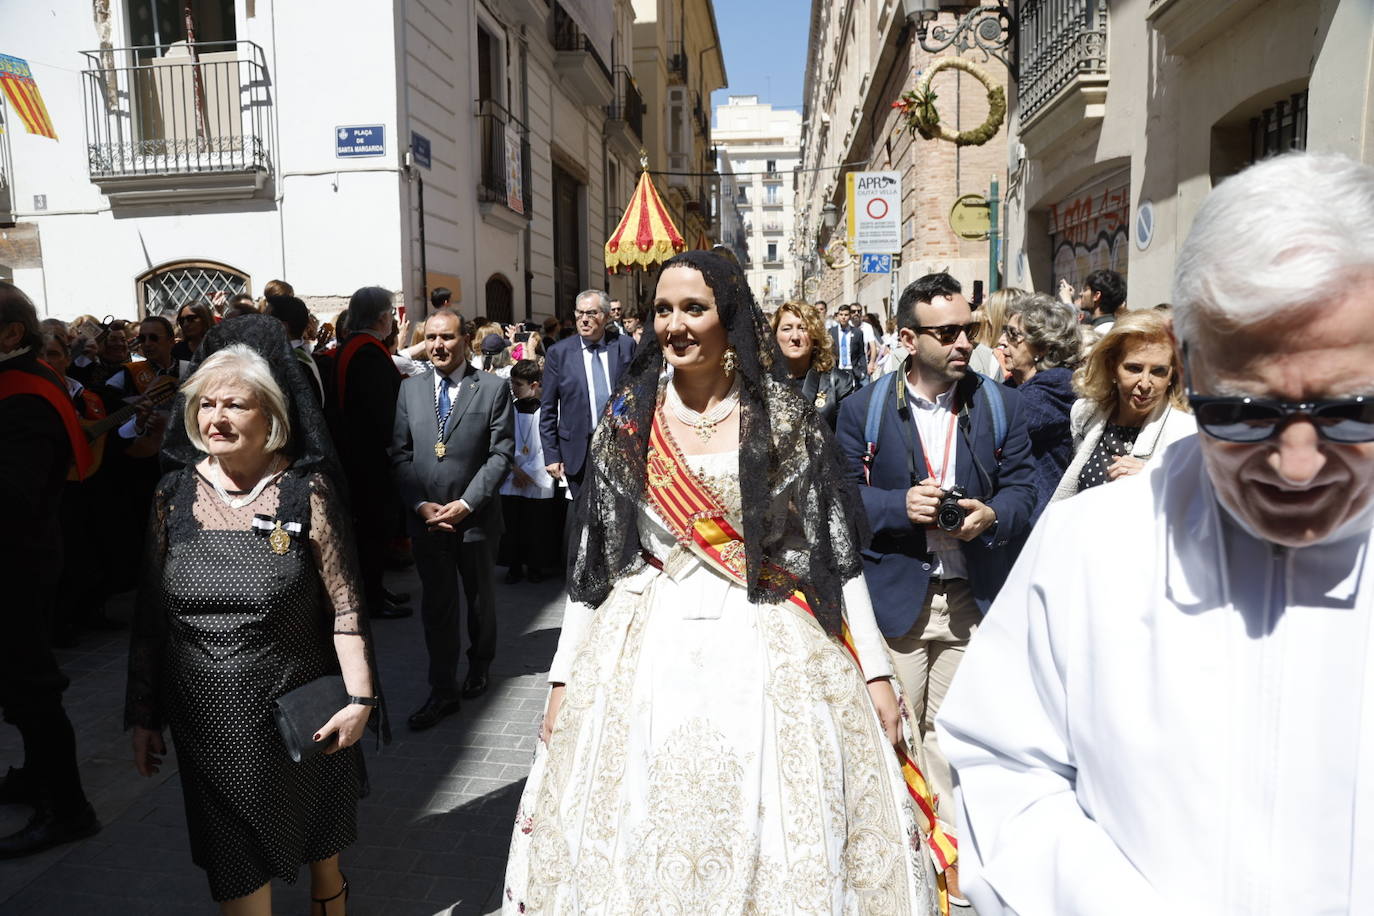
pixel 646 234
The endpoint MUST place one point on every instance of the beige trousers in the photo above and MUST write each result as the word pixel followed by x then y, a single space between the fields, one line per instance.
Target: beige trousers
pixel 926 658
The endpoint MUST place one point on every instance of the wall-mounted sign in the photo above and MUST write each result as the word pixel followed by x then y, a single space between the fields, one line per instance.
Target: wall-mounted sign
pixel 1144 225
pixel 419 149
pixel 876 263
pixel 971 218
pixel 354 142
pixel 874 211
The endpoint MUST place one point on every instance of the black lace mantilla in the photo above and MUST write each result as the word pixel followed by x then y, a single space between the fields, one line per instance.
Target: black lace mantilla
pixel 786 458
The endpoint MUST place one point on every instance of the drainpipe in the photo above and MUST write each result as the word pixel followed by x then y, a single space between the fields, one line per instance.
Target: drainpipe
pixel 994 244
pixel 529 218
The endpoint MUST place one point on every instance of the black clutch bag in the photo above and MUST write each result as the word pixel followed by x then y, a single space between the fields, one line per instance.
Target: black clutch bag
pixel 305 710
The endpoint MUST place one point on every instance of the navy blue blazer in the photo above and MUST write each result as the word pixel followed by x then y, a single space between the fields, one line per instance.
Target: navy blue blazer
pixel 897 565
pixel 565 415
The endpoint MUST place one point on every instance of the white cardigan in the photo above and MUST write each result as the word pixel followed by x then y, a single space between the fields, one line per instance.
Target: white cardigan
pixel 1087 421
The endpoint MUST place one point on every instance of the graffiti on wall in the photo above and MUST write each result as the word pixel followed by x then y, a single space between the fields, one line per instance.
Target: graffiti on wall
pixel 1090 231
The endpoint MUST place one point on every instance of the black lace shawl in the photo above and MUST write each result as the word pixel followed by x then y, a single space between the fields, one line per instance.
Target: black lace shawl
pixel 314 484
pixel 800 513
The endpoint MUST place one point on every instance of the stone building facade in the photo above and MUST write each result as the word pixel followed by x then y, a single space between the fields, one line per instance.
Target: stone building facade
pixel 1128 113
pixel 763 147
pixel 864 54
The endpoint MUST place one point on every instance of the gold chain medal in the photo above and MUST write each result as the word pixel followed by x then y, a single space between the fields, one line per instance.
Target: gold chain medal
pixel 440 449
pixel 279 540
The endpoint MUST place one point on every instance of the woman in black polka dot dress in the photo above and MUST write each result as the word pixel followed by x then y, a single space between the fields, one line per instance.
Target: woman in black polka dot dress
pixel 249 593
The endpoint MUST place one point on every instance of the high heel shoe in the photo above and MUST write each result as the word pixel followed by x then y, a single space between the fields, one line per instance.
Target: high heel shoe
pixel 325 901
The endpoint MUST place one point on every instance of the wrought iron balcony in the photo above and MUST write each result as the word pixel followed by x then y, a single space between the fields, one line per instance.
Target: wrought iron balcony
pixel 187 121
pixel 1060 40
pixel 504 190
pixel 626 114
pixel 677 62
pixel 578 61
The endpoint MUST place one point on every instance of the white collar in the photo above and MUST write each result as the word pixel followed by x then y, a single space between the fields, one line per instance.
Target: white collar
pixel 13 353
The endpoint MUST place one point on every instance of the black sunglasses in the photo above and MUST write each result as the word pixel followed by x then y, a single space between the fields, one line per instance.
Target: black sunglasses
pixel 949 333
pixel 1250 420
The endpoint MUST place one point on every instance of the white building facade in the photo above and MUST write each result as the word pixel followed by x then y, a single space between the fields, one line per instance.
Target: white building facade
pixel 763 147
pixel 487 148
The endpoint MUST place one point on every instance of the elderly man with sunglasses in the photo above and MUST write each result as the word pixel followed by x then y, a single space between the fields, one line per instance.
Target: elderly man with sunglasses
pixel 1189 728
pixel 943 459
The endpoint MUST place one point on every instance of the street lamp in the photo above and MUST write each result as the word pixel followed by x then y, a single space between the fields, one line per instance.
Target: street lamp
pixel 830 215
pixel 989 27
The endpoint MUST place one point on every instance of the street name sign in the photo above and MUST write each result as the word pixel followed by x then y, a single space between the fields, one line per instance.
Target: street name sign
pixel 419 149
pixel 876 263
pixel 358 141
pixel 874 211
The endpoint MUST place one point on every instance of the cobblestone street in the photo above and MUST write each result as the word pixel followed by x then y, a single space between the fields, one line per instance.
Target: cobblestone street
pixel 432 835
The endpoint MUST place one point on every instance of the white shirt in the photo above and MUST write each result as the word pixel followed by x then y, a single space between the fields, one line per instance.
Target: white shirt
pixel 845 332
pixel 529 458
pixel 866 330
pixel 600 355
pixel 933 422
pixel 1184 726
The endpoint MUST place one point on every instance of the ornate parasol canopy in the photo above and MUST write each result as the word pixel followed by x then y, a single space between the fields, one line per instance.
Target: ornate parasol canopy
pixel 646 234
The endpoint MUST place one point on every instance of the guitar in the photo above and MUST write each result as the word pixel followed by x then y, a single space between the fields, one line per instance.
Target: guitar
pixel 160 392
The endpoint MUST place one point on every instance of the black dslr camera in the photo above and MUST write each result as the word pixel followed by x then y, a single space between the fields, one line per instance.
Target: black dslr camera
pixel 949 515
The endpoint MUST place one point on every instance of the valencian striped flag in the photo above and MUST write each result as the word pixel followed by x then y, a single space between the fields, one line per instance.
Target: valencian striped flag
pixel 22 91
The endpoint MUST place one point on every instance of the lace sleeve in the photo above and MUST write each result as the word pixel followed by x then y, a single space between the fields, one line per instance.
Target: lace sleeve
pixel 335 558
pixel 331 542
pixel 143 696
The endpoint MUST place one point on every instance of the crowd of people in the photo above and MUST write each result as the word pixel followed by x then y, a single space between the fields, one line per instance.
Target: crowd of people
pixel 833 639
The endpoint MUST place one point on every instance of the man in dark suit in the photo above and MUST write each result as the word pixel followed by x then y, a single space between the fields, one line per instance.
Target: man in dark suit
pixel 850 356
pixel 38 438
pixel 579 375
pixel 363 415
pixel 933 573
pixel 453 444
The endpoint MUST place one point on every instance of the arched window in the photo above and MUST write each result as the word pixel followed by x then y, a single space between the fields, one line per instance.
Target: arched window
pixel 166 288
pixel 500 300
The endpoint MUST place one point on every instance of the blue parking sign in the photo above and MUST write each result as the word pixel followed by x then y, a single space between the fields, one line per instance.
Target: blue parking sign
pixel 876 263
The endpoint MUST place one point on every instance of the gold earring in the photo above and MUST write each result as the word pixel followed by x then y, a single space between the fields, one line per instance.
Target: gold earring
pixel 728 360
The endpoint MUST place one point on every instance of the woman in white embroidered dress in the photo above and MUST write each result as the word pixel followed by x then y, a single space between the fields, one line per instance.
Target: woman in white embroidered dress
pixel 711 746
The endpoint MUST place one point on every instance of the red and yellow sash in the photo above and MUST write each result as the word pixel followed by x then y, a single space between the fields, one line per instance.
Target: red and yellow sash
pixel 698 519
pixel 44 382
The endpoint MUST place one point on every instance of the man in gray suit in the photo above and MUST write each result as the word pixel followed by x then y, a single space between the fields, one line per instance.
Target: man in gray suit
pixel 453 444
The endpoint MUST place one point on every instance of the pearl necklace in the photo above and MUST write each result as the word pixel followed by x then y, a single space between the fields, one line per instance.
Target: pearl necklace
pixel 703 424
pixel 238 500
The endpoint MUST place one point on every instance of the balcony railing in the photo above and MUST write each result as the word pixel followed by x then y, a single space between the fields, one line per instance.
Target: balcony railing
pixel 505 176
pixel 628 105
pixel 1059 40
pixel 177 110
pixel 677 62
pixel 568 36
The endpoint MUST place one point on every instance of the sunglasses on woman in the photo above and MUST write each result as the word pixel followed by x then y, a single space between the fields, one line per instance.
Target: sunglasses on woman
pixel 1249 420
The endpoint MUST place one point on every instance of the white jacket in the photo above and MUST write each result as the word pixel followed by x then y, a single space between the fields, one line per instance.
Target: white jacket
pixel 1180 722
pixel 1087 421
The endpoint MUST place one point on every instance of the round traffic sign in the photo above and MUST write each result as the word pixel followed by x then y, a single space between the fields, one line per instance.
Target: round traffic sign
pixel 877 208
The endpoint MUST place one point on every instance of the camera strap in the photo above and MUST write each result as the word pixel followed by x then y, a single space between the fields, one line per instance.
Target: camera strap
pixel 914 430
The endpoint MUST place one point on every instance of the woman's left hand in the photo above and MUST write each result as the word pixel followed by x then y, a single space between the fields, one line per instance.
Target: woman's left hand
pixel 1124 466
pixel 348 723
pixel 885 702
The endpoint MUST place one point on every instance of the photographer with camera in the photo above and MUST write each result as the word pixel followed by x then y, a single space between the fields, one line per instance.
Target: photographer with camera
pixel 943 459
